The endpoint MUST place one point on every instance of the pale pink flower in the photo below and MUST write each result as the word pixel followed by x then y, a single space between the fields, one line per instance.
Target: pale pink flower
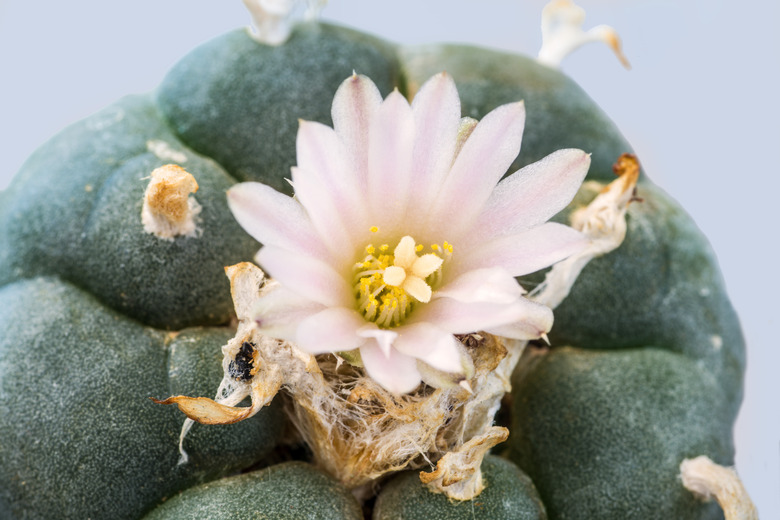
pixel 401 236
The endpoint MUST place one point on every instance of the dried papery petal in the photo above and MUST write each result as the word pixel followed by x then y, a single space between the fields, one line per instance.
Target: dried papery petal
pixel 707 480
pixel 458 472
pixel 169 210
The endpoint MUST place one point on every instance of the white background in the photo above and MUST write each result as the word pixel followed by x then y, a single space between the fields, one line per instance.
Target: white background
pixel 700 106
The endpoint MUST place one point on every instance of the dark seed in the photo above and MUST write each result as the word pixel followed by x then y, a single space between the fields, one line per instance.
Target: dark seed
pixel 241 368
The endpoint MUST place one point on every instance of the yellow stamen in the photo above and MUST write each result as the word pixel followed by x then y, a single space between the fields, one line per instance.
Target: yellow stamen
pixel 389 285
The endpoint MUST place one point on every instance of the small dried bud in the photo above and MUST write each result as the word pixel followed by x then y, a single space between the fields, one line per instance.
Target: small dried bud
pixel 168 209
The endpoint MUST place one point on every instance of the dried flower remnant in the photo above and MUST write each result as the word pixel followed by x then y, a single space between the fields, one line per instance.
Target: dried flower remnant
pixel 169 210
pixel 562 33
pixel 707 480
pixel 272 19
pixel 393 244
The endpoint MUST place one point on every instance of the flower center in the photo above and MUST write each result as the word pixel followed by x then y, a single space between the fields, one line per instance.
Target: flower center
pixel 388 285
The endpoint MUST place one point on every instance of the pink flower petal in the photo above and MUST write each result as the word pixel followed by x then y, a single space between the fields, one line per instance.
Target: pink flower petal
pixel 390 146
pixel 396 372
pixel 533 194
pixel 463 318
pixel 436 109
pixel 484 159
pixel 307 276
pixel 334 219
pixel 525 252
pixel 279 312
pixel 354 106
pixel 493 284
pixel 323 160
pixel 331 330
pixel 273 218
pixel 430 344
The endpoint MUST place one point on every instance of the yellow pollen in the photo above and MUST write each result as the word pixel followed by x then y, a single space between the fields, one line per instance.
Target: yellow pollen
pixel 374 229
pixel 384 247
pixel 418 247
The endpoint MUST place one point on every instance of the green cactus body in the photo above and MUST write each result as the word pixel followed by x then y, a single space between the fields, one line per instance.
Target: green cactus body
pixel 98 315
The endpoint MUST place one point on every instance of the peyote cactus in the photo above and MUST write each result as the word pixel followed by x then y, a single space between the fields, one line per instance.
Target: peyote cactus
pixel 116 235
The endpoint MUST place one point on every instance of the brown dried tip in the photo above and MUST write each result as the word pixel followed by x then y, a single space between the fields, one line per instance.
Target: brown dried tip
pixel 626 163
pixel 207 411
pixel 627 168
pixel 169 190
pixel 168 210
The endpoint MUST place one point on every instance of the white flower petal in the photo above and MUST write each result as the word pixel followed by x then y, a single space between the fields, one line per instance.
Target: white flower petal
pixel 430 344
pixel 390 145
pixel 279 312
pixel 463 318
pixel 436 109
pixel 273 218
pixel 493 284
pixel 533 194
pixel 396 372
pixel 307 276
pixel 525 252
pixel 484 159
pixel 354 105
pixel 537 320
pixel 331 330
pixel 383 338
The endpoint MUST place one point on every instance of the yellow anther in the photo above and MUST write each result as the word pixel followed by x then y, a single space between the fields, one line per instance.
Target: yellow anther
pixel 393 278
pixel 374 229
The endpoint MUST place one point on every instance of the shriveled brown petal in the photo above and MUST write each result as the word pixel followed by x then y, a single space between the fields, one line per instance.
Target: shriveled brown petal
pixel 208 411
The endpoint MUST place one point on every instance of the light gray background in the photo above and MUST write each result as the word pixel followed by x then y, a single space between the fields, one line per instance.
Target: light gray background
pixel 700 107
